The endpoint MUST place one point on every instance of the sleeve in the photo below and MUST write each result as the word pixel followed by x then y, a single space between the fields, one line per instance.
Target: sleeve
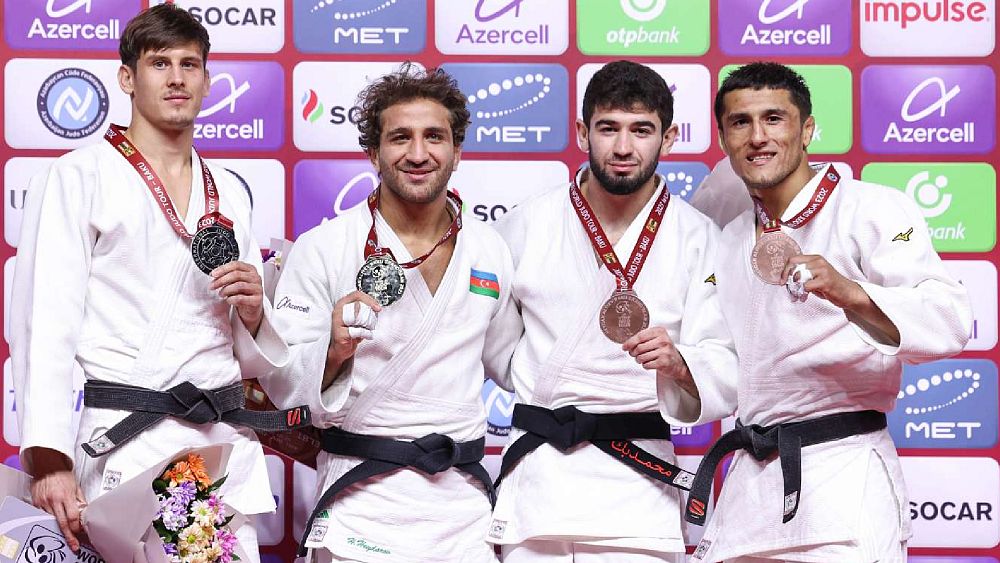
pixel 267 351
pixel 505 328
pixel 704 342
pixel 303 305
pixel 906 279
pixel 48 301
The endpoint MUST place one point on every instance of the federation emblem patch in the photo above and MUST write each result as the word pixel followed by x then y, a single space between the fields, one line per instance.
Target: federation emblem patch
pixel 497 528
pixel 702 549
pixel 111 479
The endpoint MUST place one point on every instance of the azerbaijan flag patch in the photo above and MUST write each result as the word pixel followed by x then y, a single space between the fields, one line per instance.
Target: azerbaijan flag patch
pixel 484 283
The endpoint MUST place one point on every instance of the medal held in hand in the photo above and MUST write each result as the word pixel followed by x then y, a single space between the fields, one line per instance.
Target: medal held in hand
pixel 774 248
pixel 214 243
pixel 623 315
pixel 381 276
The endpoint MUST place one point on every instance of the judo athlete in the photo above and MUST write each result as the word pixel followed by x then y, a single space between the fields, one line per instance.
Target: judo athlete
pixel 394 311
pixel 828 285
pixel 614 280
pixel 137 261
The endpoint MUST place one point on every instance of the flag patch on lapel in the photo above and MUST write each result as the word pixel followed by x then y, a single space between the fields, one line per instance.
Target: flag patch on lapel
pixel 484 283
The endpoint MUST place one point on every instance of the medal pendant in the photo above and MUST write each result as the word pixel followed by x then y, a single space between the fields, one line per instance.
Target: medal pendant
pixel 214 246
pixel 382 278
pixel 623 315
pixel 770 254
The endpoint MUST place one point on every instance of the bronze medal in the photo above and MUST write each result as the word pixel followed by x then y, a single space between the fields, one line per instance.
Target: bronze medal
pixel 770 254
pixel 623 315
pixel 382 278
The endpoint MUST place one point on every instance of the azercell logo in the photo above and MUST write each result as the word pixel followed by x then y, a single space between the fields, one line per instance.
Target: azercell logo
pixel 239 113
pixel 519 27
pixel 514 107
pixel 325 189
pixel 934 109
pixel 946 404
pixel 360 26
pixel 66 24
pixel 785 27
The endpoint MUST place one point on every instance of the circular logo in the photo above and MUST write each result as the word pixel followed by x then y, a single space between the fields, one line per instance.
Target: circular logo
pixel 382 278
pixel 643 10
pixel 72 103
pixel 499 409
pixel 214 246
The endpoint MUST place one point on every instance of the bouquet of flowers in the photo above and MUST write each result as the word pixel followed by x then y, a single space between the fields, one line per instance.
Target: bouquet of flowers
pixel 192 519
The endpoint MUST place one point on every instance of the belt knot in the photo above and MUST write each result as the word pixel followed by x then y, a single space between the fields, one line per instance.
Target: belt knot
pixel 202 405
pixel 759 441
pixel 440 453
pixel 574 427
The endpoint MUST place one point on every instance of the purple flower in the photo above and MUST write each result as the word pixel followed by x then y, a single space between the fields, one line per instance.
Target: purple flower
pixel 170 548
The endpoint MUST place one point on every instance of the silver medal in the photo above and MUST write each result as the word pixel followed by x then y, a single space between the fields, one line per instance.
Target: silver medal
pixel 382 278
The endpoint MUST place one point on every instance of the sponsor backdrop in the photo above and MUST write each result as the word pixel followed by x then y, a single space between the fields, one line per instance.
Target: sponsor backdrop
pixel 904 94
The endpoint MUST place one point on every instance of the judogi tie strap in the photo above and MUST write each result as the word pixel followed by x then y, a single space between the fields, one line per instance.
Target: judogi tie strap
pixel 567 427
pixel 432 454
pixel 183 401
pixel 785 439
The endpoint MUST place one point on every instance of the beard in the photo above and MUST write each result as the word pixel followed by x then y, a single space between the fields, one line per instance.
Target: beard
pixel 621 185
pixel 419 194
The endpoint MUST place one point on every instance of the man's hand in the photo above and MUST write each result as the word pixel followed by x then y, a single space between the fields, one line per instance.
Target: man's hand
pixel 652 348
pixel 240 285
pixel 55 490
pixel 352 320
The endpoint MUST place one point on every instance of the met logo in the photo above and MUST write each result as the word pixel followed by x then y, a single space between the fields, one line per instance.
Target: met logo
pixel 360 26
pixel 514 107
pixel 946 404
pixel 682 178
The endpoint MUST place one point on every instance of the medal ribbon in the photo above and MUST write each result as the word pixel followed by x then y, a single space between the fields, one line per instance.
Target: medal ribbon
pixel 373 248
pixel 826 186
pixel 625 279
pixel 117 139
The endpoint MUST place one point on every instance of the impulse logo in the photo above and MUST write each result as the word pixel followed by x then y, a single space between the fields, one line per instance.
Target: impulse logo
pixel 947 404
pixel 324 189
pixel 72 103
pixel 239 113
pixel 360 26
pixel 936 28
pixel 786 27
pixel 906 13
pixel 940 109
pixel 63 24
pixel 514 107
pixel 525 27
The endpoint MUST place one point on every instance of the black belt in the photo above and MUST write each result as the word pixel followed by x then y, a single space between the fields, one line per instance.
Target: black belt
pixel 566 427
pixel 432 454
pixel 787 440
pixel 183 401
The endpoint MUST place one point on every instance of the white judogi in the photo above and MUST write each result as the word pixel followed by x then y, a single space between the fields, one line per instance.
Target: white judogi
pixel 805 360
pixel 564 359
pixel 102 279
pixel 422 373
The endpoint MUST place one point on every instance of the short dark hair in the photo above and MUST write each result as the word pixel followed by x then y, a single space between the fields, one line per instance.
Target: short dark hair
pixel 161 27
pixel 763 75
pixel 625 85
pixel 407 84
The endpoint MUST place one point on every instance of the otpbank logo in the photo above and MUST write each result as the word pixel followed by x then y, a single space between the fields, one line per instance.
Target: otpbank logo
pixel 501 27
pixel 832 105
pixel 239 112
pixel 928 109
pixel 980 280
pixel 682 178
pixel 785 27
pixel 642 27
pixel 324 102
pixel 514 107
pixel 958 200
pixel 67 24
pixel 324 189
pixel 360 26
pixel 689 85
pixel 946 404
pixel 931 28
